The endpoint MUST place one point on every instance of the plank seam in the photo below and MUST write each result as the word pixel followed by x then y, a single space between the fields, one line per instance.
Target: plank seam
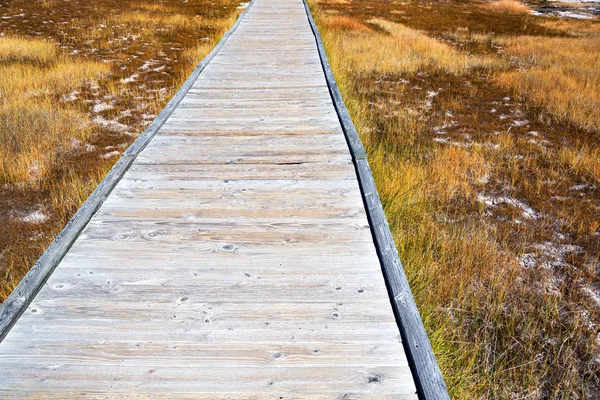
pixel 423 364
pixel 17 302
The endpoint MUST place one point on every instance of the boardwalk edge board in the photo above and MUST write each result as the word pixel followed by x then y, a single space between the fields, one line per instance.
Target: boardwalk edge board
pixel 426 372
pixel 20 298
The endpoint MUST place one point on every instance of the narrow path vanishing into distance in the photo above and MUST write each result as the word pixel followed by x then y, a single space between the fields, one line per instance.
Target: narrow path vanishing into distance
pixel 230 254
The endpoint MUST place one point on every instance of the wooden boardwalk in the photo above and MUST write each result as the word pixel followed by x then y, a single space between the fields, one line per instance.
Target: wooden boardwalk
pixel 233 260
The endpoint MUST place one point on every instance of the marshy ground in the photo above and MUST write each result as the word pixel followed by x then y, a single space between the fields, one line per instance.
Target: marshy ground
pixel 79 80
pixel 482 125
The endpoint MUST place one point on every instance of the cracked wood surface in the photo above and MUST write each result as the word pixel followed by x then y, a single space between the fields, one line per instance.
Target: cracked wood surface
pixel 233 260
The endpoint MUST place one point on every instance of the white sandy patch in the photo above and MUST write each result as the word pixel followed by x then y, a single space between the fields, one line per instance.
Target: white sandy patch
pixel 528 260
pixel 99 107
pixel 583 187
pixel 148 117
pixel 594 294
pixel 520 123
pixel 130 79
pixel 111 154
pixel 526 211
pixel 571 14
pixel 146 66
pixel 430 96
pixel 439 130
pixel 70 97
pixel 550 255
pixel 557 253
pixel 111 124
pixel 35 217
pixel 562 14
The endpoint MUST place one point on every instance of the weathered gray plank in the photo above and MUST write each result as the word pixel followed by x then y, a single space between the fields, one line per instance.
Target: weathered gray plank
pixel 233 380
pixel 273 331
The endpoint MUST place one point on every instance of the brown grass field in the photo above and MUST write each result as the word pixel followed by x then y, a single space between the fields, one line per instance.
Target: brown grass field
pixel 482 125
pixel 79 80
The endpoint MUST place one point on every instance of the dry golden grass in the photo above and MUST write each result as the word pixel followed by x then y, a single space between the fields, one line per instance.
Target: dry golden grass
pixel 333 1
pixel 577 27
pixel 162 22
pixel 403 50
pixel 16 49
pixel 338 22
pixel 23 81
pixel 585 160
pixel 491 202
pixel 26 155
pixel 198 52
pixel 33 131
pixel 559 74
pixel 511 6
pixel 159 21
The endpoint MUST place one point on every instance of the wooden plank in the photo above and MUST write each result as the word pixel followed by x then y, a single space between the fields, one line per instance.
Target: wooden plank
pixel 217 332
pixel 207 312
pixel 138 273
pixel 225 257
pixel 267 380
pixel 143 394
pixel 322 170
pixel 196 355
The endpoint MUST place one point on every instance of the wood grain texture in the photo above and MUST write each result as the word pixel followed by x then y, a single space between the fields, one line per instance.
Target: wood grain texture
pixel 231 255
